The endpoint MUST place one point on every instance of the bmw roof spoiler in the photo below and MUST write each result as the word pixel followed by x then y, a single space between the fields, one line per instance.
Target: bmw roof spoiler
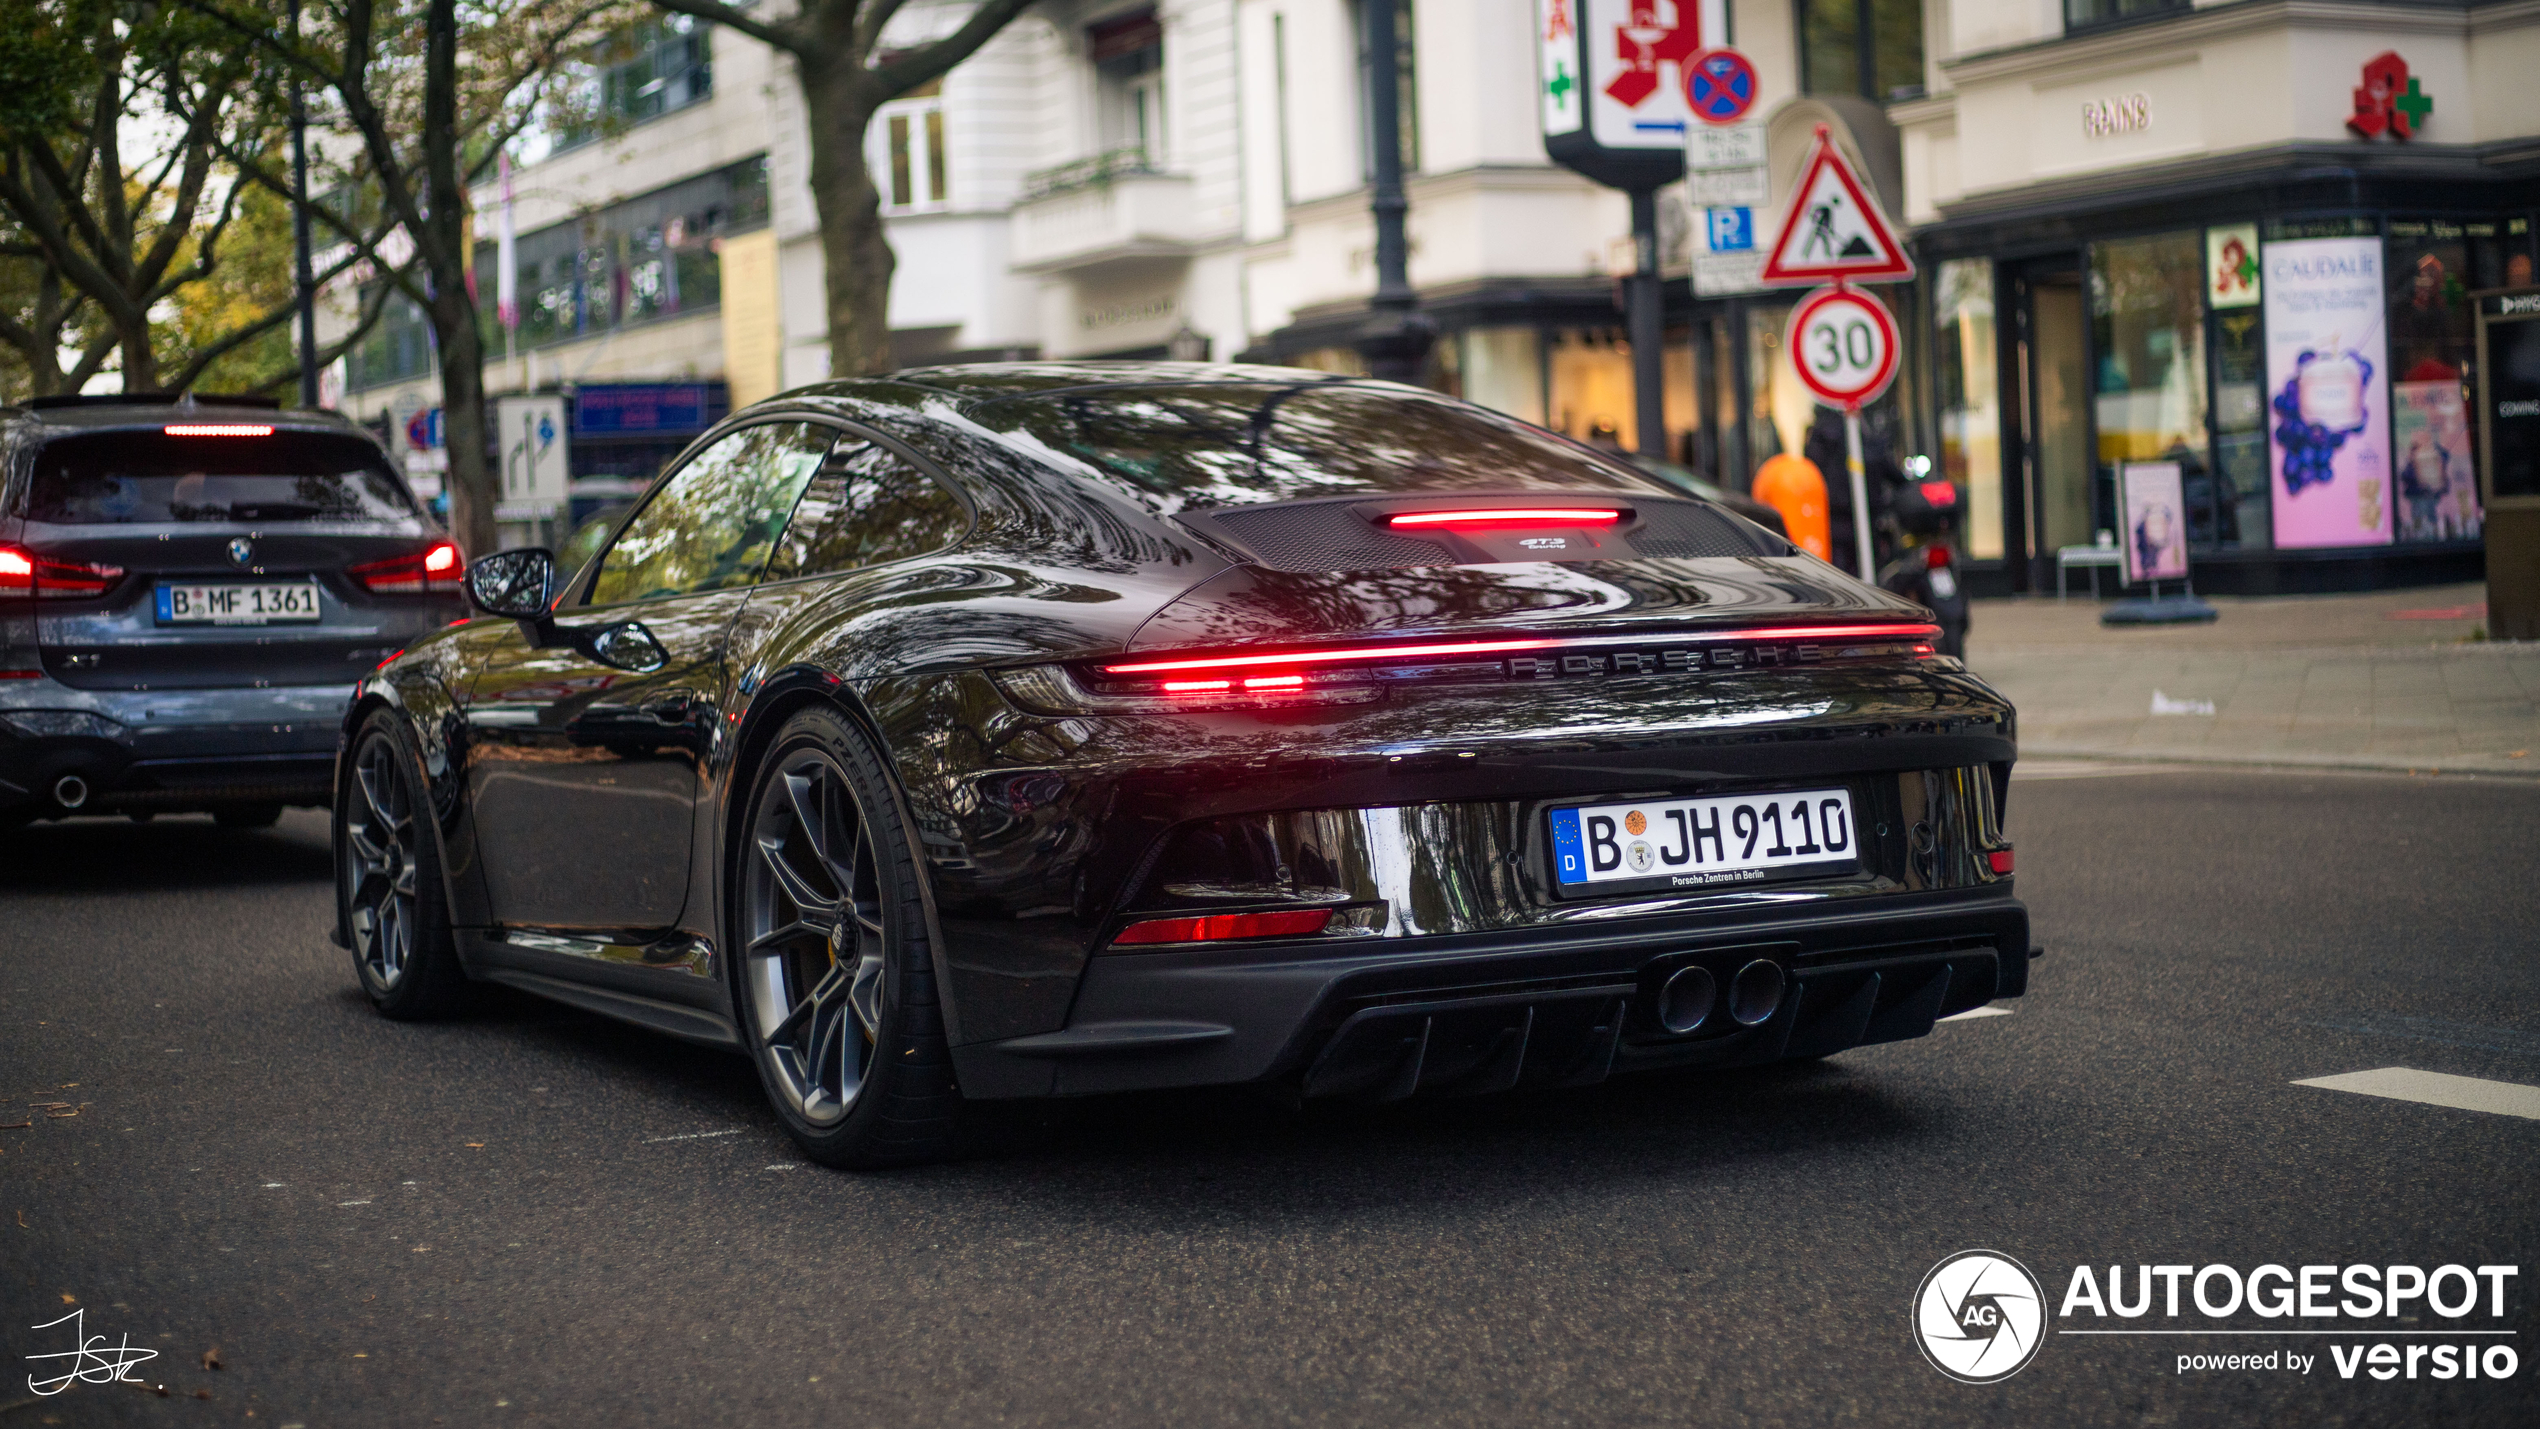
pixel 171 399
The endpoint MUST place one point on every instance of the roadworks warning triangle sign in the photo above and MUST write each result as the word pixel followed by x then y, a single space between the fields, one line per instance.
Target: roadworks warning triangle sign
pixel 1832 228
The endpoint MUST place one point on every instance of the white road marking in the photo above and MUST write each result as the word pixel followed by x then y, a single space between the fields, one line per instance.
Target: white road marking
pixel 692 1136
pixel 2407 1084
pixel 1985 1011
pixel 352 1203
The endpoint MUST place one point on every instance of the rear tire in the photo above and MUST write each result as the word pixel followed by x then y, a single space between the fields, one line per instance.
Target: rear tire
pixel 835 978
pixel 248 816
pixel 388 886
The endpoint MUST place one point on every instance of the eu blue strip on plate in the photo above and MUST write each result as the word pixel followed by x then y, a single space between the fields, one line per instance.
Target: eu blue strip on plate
pixel 1566 853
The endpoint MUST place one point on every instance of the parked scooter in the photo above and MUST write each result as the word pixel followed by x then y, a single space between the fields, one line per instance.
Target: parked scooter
pixel 1919 530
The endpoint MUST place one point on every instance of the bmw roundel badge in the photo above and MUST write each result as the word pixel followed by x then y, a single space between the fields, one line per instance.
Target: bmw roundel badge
pixel 240 551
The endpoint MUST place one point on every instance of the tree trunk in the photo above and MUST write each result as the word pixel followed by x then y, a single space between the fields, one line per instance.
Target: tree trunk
pixel 140 360
pixel 856 257
pixel 443 246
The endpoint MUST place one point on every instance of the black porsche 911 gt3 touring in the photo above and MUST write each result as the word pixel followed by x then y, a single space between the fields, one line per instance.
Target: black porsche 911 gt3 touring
pixel 1051 729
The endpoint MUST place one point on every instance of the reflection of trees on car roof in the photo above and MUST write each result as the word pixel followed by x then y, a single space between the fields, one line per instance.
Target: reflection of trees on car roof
pixel 1230 444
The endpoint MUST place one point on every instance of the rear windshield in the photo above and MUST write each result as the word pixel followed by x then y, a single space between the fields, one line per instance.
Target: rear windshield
pixel 131 478
pixel 1233 444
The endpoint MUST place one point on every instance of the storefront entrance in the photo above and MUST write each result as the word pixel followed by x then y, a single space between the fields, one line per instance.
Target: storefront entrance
pixel 2053 437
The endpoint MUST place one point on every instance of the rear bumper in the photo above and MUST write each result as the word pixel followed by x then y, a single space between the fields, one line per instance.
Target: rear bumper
pixel 145 750
pixel 1489 1013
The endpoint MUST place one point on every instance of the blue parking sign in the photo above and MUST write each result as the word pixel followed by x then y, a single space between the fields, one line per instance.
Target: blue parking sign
pixel 1732 230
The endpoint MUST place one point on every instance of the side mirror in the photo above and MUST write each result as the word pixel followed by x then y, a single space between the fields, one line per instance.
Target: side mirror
pixel 513 584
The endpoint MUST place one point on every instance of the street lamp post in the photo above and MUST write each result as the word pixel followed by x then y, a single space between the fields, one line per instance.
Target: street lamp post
pixel 303 273
pixel 1396 336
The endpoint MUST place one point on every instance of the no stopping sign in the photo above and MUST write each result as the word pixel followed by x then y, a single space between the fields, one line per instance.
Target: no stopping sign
pixel 1843 341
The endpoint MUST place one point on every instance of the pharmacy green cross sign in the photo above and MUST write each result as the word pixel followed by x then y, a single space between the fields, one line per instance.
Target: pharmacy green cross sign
pixel 1560 85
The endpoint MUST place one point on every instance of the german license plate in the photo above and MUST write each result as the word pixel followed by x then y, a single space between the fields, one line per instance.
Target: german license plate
pixel 267 604
pixel 1666 844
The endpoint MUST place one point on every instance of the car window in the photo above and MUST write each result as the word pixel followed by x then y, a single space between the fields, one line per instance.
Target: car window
pixel 125 478
pixel 1235 443
pixel 712 525
pixel 867 506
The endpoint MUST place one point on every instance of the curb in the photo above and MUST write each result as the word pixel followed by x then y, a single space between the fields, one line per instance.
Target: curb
pixel 2518 770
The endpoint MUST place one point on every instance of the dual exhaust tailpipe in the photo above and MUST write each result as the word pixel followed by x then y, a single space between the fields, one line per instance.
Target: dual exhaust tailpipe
pixel 1691 996
pixel 70 791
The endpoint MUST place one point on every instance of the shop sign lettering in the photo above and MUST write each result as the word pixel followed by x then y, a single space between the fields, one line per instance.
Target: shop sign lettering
pixel 2119 114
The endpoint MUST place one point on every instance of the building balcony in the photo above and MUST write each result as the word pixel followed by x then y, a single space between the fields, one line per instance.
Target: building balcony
pixel 1106 211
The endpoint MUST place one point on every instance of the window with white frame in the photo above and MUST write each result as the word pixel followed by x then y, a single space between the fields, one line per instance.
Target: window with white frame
pixel 909 165
pixel 1128 58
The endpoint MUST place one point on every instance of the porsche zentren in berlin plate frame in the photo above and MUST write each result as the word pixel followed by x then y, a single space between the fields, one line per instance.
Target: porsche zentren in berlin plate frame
pixel 1601 850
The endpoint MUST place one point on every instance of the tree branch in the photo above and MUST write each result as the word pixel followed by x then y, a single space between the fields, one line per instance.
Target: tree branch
pixel 912 68
pixel 788 38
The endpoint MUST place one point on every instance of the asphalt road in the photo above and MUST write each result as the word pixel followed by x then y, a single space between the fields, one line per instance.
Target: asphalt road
pixel 531 1216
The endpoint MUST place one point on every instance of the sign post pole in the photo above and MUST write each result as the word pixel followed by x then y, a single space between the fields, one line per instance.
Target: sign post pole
pixel 1860 474
pixel 1647 325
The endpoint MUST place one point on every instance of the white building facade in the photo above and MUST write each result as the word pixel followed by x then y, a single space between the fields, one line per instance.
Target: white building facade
pixel 1144 178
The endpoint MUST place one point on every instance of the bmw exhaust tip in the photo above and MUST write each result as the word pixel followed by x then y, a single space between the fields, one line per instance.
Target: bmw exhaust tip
pixel 70 791
pixel 1755 994
pixel 1684 1002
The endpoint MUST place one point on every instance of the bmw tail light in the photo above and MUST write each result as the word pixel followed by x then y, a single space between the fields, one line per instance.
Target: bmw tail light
pixel 432 571
pixel 25 573
pixel 2001 860
pixel 218 429
pixel 1219 927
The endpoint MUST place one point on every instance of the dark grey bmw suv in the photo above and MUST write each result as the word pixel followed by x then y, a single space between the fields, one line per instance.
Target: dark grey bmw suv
pixel 188 590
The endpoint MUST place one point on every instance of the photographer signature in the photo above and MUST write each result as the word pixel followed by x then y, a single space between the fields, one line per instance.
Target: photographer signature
pixel 94 1361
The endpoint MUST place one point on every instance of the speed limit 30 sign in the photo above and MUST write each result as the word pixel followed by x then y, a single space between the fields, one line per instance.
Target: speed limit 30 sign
pixel 1843 341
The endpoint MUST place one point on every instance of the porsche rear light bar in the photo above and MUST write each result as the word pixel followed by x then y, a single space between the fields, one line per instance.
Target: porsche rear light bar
pixel 1506 516
pixel 1352 674
pixel 22 572
pixel 217 429
pixel 1455 650
pixel 431 571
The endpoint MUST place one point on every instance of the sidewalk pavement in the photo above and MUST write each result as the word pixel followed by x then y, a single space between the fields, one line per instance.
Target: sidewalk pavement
pixel 2384 680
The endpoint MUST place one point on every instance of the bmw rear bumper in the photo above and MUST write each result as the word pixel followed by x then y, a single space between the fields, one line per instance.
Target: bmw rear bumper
pixel 136 751
pixel 1482 1013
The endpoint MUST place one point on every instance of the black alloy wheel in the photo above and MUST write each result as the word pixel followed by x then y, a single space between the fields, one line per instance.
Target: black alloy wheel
pixel 389 877
pixel 836 991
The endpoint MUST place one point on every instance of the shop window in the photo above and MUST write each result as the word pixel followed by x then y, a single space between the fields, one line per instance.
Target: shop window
pixel 1406 91
pixel 2432 265
pixel 2090 14
pixel 398 346
pixel 1872 48
pixel 1128 59
pixel 2147 328
pixel 1592 395
pixel 911 171
pixel 2240 515
pixel 1502 368
pixel 1967 382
